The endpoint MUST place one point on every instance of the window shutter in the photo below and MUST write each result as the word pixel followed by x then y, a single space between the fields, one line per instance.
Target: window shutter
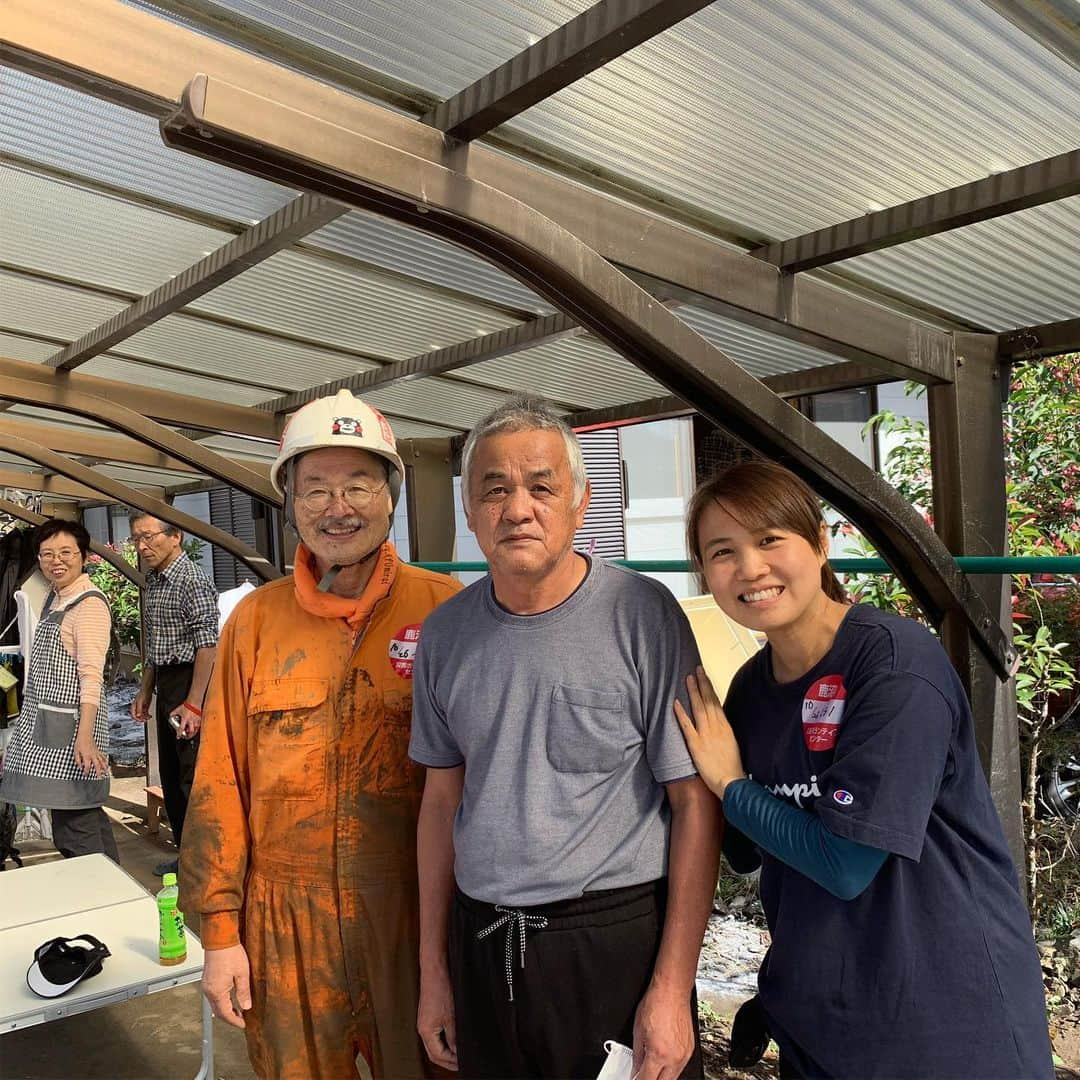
pixel 230 511
pixel 604 532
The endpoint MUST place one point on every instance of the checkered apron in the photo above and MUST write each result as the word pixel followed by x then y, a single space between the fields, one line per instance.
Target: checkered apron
pixel 41 746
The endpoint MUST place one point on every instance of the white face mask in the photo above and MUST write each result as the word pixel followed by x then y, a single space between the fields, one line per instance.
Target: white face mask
pixel 619 1064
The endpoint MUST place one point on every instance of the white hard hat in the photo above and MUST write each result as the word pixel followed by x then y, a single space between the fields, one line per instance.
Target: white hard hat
pixel 341 420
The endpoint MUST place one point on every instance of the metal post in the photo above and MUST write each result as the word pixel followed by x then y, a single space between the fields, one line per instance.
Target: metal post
pixel 969 515
pixel 429 485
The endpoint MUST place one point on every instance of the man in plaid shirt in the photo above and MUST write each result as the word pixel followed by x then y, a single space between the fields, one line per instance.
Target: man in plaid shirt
pixel 181 608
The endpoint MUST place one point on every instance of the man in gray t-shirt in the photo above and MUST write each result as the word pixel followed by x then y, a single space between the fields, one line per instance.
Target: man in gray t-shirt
pixel 563 823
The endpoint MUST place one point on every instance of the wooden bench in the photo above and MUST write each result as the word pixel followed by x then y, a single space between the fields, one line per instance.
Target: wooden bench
pixel 155 805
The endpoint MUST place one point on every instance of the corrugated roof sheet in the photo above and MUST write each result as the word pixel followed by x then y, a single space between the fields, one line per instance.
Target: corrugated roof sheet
pixel 364 311
pixel 258 359
pixel 578 372
pixel 110 146
pixel 376 240
pixel 21 348
pixel 51 310
pixel 178 382
pixel 80 134
pixel 135 474
pixel 883 101
pixel 69 232
pixel 1019 270
pixel 761 353
pixel 70 420
pixel 454 403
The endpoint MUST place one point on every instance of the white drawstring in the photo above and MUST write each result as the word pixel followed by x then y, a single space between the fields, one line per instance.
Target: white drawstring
pixel 513 918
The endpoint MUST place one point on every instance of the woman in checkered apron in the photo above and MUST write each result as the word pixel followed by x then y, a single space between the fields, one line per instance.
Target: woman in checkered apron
pixel 58 756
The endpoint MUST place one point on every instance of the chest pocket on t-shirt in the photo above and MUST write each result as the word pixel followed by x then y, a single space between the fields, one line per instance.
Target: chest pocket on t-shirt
pixel 290 717
pixel 586 729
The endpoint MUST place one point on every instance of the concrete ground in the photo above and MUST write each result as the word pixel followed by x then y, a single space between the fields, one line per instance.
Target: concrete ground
pixel 158 1035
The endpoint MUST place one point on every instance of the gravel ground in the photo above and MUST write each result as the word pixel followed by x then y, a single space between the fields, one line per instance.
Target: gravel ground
pixel 127 739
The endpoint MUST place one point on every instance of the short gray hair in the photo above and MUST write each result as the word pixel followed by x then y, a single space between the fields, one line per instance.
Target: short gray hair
pixel 525 412
pixel 166 527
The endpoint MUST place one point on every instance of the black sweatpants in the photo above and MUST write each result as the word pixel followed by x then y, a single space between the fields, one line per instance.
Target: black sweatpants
pixel 176 757
pixel 83 832
pixel 583 978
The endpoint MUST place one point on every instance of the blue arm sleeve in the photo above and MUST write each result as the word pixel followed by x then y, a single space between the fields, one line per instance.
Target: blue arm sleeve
pixel 799 839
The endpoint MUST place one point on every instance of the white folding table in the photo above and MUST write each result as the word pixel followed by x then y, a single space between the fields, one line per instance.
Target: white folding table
pixel 87 895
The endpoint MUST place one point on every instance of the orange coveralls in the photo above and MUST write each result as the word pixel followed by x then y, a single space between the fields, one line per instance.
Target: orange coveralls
pixel 300 840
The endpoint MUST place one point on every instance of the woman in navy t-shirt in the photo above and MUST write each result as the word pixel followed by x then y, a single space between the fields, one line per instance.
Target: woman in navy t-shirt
pixel 845 758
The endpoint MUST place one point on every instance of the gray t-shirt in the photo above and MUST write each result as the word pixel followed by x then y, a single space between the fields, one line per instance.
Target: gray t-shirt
pixel 564 723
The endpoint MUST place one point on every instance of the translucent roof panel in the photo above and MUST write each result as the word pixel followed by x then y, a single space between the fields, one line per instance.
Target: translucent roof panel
pixel 759 352
pixel 363 311
pixel 1018 270
pixel 454 403
pixel 245 356
pixel 49 310
pixel 177 382
pixel 135 474
pixel 112 148
pixel 575 372
pixel 236 447
pixel 85 136
pixel 380 242
pixel 882 102
pixel 67 231
pixel 15 347
pixel 68 420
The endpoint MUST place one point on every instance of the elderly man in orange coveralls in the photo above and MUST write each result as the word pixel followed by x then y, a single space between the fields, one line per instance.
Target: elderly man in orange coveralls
pixel 299 850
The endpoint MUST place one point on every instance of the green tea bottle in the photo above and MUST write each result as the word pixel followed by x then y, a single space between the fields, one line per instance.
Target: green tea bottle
pixel 172 942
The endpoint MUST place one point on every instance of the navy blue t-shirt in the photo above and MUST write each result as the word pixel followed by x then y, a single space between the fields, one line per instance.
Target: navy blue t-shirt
pixel 932 971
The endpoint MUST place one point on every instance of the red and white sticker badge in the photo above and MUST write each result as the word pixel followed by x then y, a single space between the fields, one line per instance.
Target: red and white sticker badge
pixel 822 711
pixel 403 649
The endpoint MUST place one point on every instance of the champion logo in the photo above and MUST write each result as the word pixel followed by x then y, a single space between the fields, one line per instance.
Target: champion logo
pixel 403 650
pixel 822 711
pixel 843 798
pixel 796 792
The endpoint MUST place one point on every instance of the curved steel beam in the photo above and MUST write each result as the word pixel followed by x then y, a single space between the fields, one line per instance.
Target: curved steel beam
pixel 58 395
pixel 31 517
pixel 57 485
pixel 86 443
pixel 130 496
pixel 162 405
pixel 246 131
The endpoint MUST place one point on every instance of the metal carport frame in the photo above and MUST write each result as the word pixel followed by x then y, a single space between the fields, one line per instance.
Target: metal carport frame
pixel 240 128
pixel 143 62
pixel 133 497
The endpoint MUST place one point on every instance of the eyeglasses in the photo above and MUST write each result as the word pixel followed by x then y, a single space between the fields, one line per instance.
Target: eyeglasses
pixel 138 539
pixel 64 555
pixel 356 495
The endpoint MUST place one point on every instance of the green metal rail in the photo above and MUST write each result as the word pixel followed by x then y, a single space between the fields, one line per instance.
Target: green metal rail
pixel 971 564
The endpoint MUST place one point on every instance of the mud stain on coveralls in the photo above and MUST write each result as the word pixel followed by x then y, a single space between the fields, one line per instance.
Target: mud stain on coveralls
pixel 294 658
pixel 304 849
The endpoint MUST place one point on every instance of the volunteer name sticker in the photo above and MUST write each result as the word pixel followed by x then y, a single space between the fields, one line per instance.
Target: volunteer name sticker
pixel 403 650
pixel 822 712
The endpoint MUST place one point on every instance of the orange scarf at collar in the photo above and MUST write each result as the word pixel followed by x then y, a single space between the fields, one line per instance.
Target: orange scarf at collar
pixel 355 612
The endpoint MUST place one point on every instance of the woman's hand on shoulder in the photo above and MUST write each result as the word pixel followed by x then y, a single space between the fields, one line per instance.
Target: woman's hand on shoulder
pixel 708 735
